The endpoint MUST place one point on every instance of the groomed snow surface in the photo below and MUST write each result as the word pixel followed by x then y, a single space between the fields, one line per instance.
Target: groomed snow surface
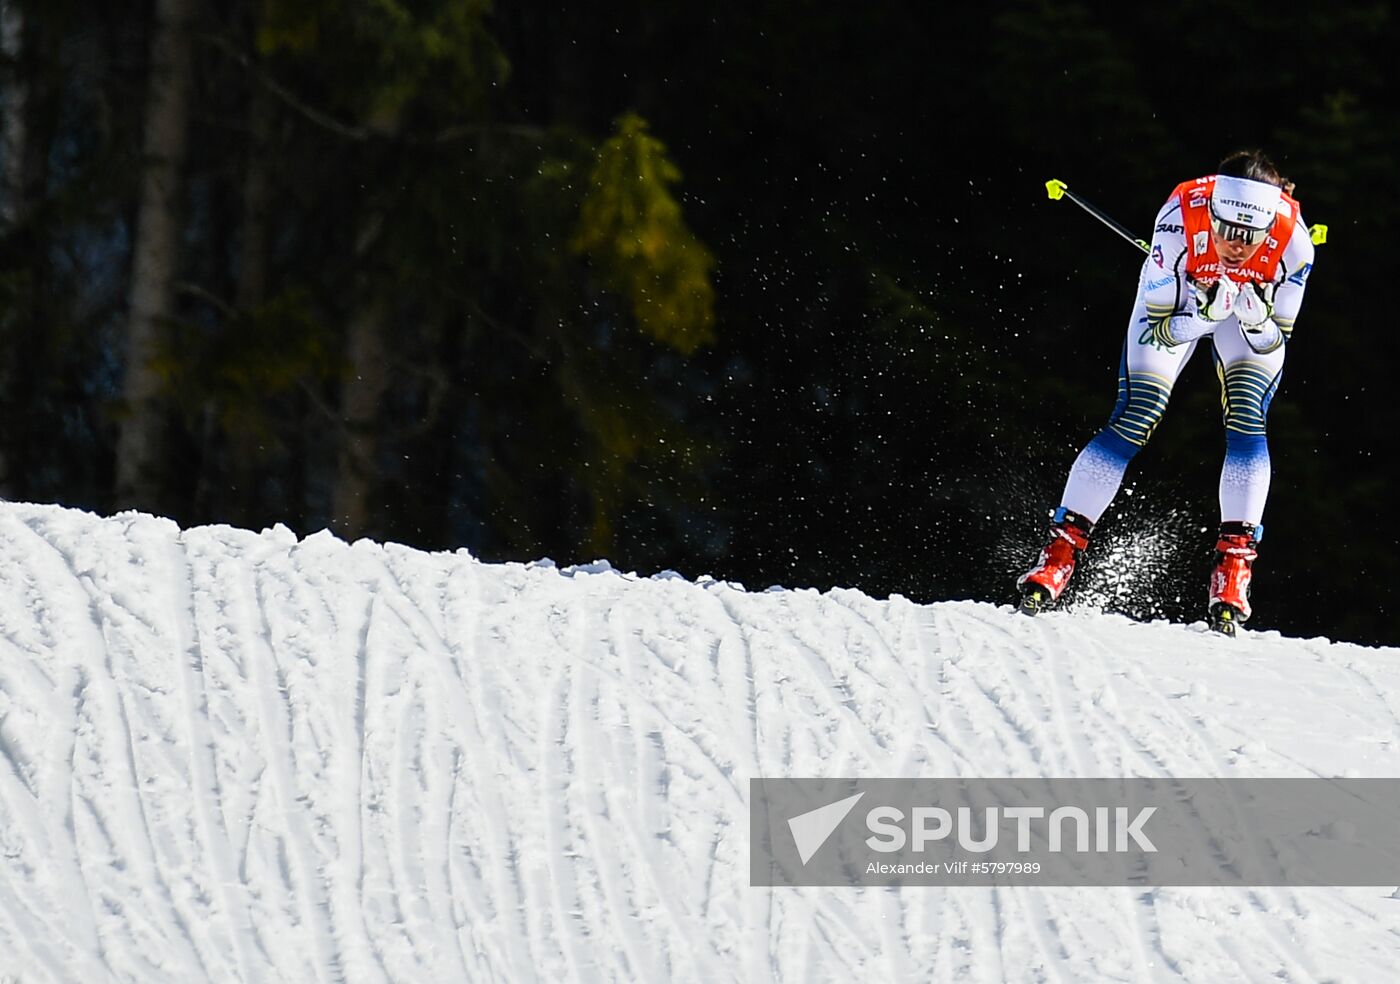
pixel 227 756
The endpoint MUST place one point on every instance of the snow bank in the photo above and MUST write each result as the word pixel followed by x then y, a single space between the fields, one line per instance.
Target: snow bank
pixel 239 757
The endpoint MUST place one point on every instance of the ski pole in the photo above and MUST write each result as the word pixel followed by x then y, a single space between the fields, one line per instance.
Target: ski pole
pixel 1058 189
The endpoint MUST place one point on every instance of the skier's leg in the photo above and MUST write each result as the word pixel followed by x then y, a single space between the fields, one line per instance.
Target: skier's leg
pixel 1146 374
pixel 1248 382
pixel 1147 371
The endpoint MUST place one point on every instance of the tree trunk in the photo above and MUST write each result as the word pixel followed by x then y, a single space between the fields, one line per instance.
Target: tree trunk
pixel 155 257
pixel 245 456
pixel 366 382
pixel 28 106
pixel 15 132
pixel 14 91
pixel 257 185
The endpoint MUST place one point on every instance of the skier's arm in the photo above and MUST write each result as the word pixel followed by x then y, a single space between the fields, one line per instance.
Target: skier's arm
pixel 1166 292
pixel 1294 268
pixel 1267 314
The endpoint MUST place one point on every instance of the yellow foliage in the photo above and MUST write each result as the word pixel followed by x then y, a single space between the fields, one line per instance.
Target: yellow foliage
pixel 631 226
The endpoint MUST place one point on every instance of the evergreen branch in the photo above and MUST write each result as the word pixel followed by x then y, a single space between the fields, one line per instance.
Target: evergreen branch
pixel 357 133
pixel 316 116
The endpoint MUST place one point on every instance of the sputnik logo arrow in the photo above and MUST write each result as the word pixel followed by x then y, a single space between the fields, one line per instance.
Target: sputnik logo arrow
pixel 810 830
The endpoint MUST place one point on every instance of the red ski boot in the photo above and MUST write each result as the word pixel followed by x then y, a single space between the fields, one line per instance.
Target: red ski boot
pixel 1229 581
pixel 1042 585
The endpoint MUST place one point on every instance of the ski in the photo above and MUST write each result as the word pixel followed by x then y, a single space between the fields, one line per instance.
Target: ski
pixel 1224 619
pixel 1034 599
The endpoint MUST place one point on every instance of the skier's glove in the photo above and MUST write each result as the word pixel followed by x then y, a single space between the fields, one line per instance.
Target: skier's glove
pixel 1254 309
pixel 1254 305
pixel 1217 302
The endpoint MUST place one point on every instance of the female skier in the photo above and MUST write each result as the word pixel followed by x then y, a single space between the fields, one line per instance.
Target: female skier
pixel 1229 261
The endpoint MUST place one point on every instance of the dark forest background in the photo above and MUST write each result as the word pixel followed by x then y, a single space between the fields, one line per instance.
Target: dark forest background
pixel 771 291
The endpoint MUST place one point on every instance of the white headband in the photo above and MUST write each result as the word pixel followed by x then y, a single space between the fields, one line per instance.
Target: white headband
pixel 1242 202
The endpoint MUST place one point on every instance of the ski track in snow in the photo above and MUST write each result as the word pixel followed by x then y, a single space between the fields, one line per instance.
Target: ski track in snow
pixel 231 756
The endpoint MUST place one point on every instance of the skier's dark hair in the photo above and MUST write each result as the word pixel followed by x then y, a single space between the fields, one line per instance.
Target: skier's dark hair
pixel 1254 165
